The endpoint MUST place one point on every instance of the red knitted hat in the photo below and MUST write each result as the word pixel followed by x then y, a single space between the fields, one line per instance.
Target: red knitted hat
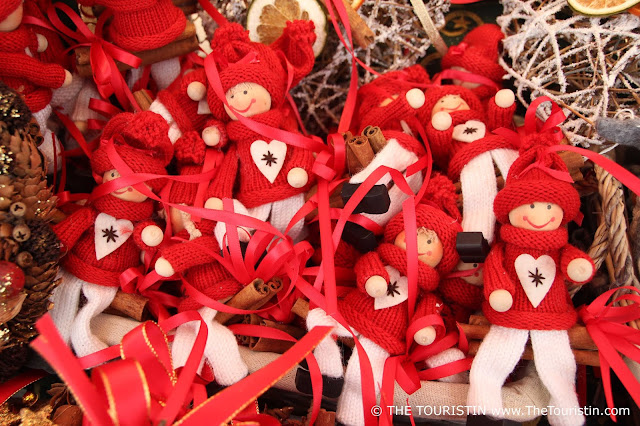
pixel 478 52
pixel 144 24
pixel 439 214
pixel 529 181
pixel 141 141
pixel 7 7
pixel 407 142
pixel 389 85
pixel 434 94
pixel 246 62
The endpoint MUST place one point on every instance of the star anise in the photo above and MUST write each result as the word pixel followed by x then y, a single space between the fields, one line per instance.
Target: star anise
pixel 60 395
pixel 470 130
pixel 110 234
pixel 536 277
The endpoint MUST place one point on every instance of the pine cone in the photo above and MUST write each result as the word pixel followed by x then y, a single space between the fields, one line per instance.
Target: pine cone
pixel 26 207
pixel 11 359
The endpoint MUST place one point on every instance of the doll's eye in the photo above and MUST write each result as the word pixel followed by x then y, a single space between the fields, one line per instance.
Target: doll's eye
pixel 428 241
pixel 548 206
pixel 532 206
pixel 113 174
pixel 475 265
pixel 245 92
pixel 231 96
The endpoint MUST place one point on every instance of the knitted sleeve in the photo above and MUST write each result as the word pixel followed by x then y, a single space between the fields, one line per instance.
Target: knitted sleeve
pixel 570 253
pixel 189 149
pixel 461 292
pixel 428 278
pixel 499 117
pixel 224 139
pixel 367 266
pixel 495 276
pixel 137 235
pixel 192 253
pixel 223 183
pixel 18 65
pixel 428 304
pixel 71 229
pixel 440 143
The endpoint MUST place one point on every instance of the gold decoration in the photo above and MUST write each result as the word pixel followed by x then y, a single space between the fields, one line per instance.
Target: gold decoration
pixel 36 417
pixel 460 22
pixel 29 398
pixel 7 417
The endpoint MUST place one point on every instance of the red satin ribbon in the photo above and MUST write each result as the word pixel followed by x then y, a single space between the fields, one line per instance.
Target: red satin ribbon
pixel 15 384
pixel 103 54
pixel 464 75
pixel 606 324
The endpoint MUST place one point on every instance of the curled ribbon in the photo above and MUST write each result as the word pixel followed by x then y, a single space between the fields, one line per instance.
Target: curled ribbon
pixel 606 324
pixel 103 54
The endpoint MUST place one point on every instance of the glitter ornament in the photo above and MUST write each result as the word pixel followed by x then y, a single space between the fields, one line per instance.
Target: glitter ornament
pixel 11 279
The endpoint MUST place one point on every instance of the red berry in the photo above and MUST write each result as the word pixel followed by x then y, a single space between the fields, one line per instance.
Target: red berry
pixel 11 279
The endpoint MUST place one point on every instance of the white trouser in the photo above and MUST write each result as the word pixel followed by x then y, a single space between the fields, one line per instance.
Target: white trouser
pixel 498 355
pixel 280 213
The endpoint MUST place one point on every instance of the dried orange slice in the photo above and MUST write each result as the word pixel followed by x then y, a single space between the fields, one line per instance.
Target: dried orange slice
pixel 601 7
pixel 266 19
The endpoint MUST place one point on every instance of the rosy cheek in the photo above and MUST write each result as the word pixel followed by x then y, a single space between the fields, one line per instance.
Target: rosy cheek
pixel 525 218
pixel 553 219
pixel 428 253
pixel 476 274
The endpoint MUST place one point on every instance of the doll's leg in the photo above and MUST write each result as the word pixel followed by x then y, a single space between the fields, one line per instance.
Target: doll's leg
pixel 350 411
pixel 283 211
pixel 65 97
pixel 174 131
pixel 261 212
pixel 99 298
pixel 65 300
pixel 504 158
pixel 445 357
pixel 479 188
pixel 165 72
pixel 47 146
pixel 556 367
pixel 327 352
pixel 497 356
pixel 393 155
pixel 221 350
pixel 397 197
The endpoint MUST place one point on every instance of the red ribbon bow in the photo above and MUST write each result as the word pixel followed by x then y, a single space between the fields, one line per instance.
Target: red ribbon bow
pixel 606 324
pixel 103 54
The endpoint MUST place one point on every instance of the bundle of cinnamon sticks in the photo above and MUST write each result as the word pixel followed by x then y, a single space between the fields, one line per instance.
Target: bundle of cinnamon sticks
pixel 253 296
pixel 362 148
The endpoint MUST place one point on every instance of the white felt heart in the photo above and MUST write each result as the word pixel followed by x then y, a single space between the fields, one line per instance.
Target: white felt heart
pixel 397 290
pixel 536 276
pixel 470 131
pixel 269 157
pixel 110 234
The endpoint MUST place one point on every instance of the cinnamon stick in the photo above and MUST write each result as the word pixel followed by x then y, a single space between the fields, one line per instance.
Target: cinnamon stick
pixel 582 357
pixel 353 165
pixel 301 308
pixel 362 150
pixel 362 34
pixel 253 296
pixel 263 344
pixel 478 327
pixel 376 138
pixel 143 99
pixel 129 305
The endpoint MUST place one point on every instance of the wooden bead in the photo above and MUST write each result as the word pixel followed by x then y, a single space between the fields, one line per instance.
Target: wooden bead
pixel 376 286
pixel 425 336
pixel 213 203
pixel 297 177
pixel 441 121
pixel 501 300
pixel 505 98
pixel 196 91
pixel 415 98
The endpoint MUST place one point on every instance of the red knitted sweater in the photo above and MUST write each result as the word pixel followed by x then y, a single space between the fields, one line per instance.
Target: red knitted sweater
pixel 555 311
pixel 28 76
pixel 387 327
pixel 463 298
pixel 255 189
pixel 76 233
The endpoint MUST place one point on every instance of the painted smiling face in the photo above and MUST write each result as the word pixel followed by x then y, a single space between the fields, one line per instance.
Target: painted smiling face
pixel 128 193
pixel 248 99
pixel 430 248
pixel 450 103
pixel 475 277
pixel 538 216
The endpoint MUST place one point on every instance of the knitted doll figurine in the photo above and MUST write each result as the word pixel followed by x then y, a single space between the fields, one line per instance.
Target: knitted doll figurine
pixel 273 176
pixel 524 283
pixel 30 77
pixel 377 310
pixel 478 54
pixel 391 100
pixel 106 237
pixel 459 137
pixel 463 290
